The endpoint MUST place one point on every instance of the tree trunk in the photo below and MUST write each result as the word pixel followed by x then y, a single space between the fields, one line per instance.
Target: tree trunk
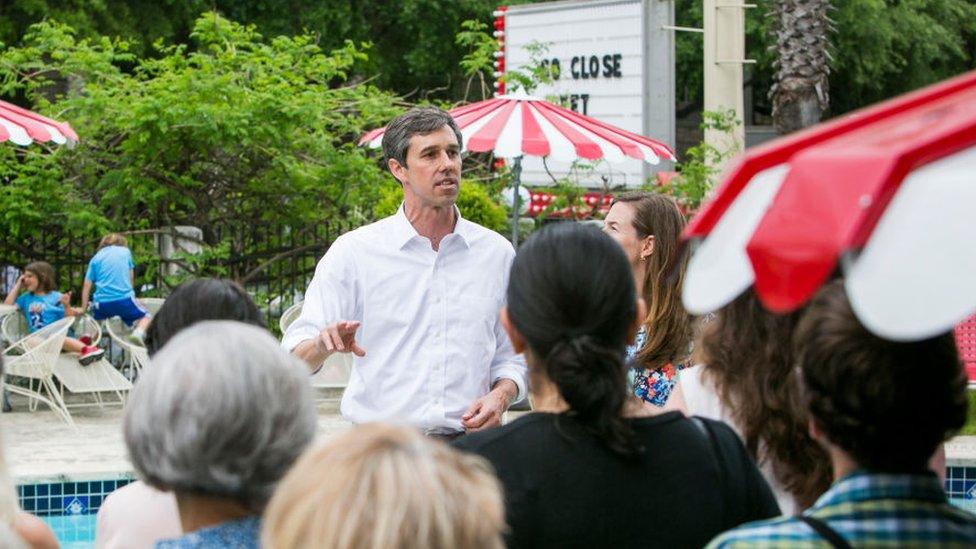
pixel 800 87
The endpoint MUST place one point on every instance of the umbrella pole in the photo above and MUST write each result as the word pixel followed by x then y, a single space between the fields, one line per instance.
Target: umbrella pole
pixel 516 177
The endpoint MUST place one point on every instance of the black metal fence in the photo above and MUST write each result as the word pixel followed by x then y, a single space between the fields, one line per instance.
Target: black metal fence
pixel 273 262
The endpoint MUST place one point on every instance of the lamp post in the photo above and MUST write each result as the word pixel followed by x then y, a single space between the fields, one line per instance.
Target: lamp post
pixel 516 176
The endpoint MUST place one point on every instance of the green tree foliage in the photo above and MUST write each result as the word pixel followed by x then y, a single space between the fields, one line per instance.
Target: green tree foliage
pixel 699 170
pixel 478 62
pixel 886 47
pixel 880 48
pixel 413 40
pixel 237 129
pixel 141 22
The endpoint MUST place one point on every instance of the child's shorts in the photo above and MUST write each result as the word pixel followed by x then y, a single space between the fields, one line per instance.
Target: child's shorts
pixel 127 309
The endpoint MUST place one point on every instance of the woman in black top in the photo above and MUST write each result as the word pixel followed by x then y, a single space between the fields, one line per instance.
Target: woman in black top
pixel 591 466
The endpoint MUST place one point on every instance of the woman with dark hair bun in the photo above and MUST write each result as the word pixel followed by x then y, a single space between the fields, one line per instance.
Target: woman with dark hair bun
pixel 592 466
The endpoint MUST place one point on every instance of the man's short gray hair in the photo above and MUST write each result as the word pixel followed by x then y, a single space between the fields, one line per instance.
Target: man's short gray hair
pixel 222 411
pixel 418 120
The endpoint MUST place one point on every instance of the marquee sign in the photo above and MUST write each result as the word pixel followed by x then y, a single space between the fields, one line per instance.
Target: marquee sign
pixel 596 53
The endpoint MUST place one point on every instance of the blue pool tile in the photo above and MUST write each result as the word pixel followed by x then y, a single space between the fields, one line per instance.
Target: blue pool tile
pixel 107 486
pixel 43 489
pixel 69 488
pixel 30 504
pixel 56 489
pixel 29 491
pixel 94 502
pixel 43 504
pixel 75 505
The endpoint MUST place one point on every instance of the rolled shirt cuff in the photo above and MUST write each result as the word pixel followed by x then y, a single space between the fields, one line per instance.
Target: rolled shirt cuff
pixel 295 337
pixel 515 374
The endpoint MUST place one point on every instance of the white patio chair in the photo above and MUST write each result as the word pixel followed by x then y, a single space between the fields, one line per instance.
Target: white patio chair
pixel 136 356
pixel 95 378
pixel 33 358
pixel 334 374
pixel 152 304
pixel 7 309
pixel 14 327
pixel 290 315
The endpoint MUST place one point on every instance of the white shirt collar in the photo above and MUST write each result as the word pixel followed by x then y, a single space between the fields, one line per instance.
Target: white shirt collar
pixel 404 231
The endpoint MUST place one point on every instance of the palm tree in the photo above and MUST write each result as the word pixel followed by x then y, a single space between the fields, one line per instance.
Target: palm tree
pixel 800 91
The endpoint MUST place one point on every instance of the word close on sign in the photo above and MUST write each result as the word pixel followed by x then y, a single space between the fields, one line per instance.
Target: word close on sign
pixel 583 67
pixel 598 56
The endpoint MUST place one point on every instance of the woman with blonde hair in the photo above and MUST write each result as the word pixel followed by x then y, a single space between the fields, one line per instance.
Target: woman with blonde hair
pixel 386 486
pixel 648 226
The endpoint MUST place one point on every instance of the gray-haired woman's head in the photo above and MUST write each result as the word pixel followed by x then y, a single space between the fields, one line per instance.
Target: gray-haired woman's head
pixel 224 411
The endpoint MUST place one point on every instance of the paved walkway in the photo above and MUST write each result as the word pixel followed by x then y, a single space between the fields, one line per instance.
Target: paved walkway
pixel 41 448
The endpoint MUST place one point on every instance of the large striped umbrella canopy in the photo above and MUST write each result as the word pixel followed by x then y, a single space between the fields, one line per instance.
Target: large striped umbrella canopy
pixel 515 125
pixel 23 127
pixel 886 194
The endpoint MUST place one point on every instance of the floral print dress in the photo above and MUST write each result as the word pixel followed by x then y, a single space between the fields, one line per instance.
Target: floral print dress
pixel 653 386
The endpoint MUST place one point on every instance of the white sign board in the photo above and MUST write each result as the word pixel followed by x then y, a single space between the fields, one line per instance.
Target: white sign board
pixel 597 50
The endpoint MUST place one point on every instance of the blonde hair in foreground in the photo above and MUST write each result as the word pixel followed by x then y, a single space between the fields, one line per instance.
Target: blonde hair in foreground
pixel 381 486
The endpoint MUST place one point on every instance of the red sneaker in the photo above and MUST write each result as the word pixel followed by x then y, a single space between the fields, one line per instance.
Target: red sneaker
pixel 90 354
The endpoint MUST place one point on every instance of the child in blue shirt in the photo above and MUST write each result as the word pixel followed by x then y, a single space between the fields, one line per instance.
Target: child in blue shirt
pixel 42 305
pixel 111 272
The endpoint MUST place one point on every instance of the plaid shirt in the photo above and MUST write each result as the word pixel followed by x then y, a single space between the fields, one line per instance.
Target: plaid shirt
pixel 868 510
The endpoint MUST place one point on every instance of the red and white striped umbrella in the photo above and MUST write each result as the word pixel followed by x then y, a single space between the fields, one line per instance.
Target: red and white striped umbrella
pixel 515 125
pixel 23 127
pixel 888 194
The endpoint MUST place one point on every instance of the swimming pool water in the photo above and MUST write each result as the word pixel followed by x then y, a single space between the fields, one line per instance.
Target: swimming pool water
pixel 77 531
pixel 73 531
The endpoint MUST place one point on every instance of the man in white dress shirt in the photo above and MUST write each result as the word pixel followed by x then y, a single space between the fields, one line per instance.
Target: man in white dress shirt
pixel 415 297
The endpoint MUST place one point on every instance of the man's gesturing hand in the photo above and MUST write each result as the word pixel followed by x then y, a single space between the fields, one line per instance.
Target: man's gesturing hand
pixel 487 411
pixel 341 337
